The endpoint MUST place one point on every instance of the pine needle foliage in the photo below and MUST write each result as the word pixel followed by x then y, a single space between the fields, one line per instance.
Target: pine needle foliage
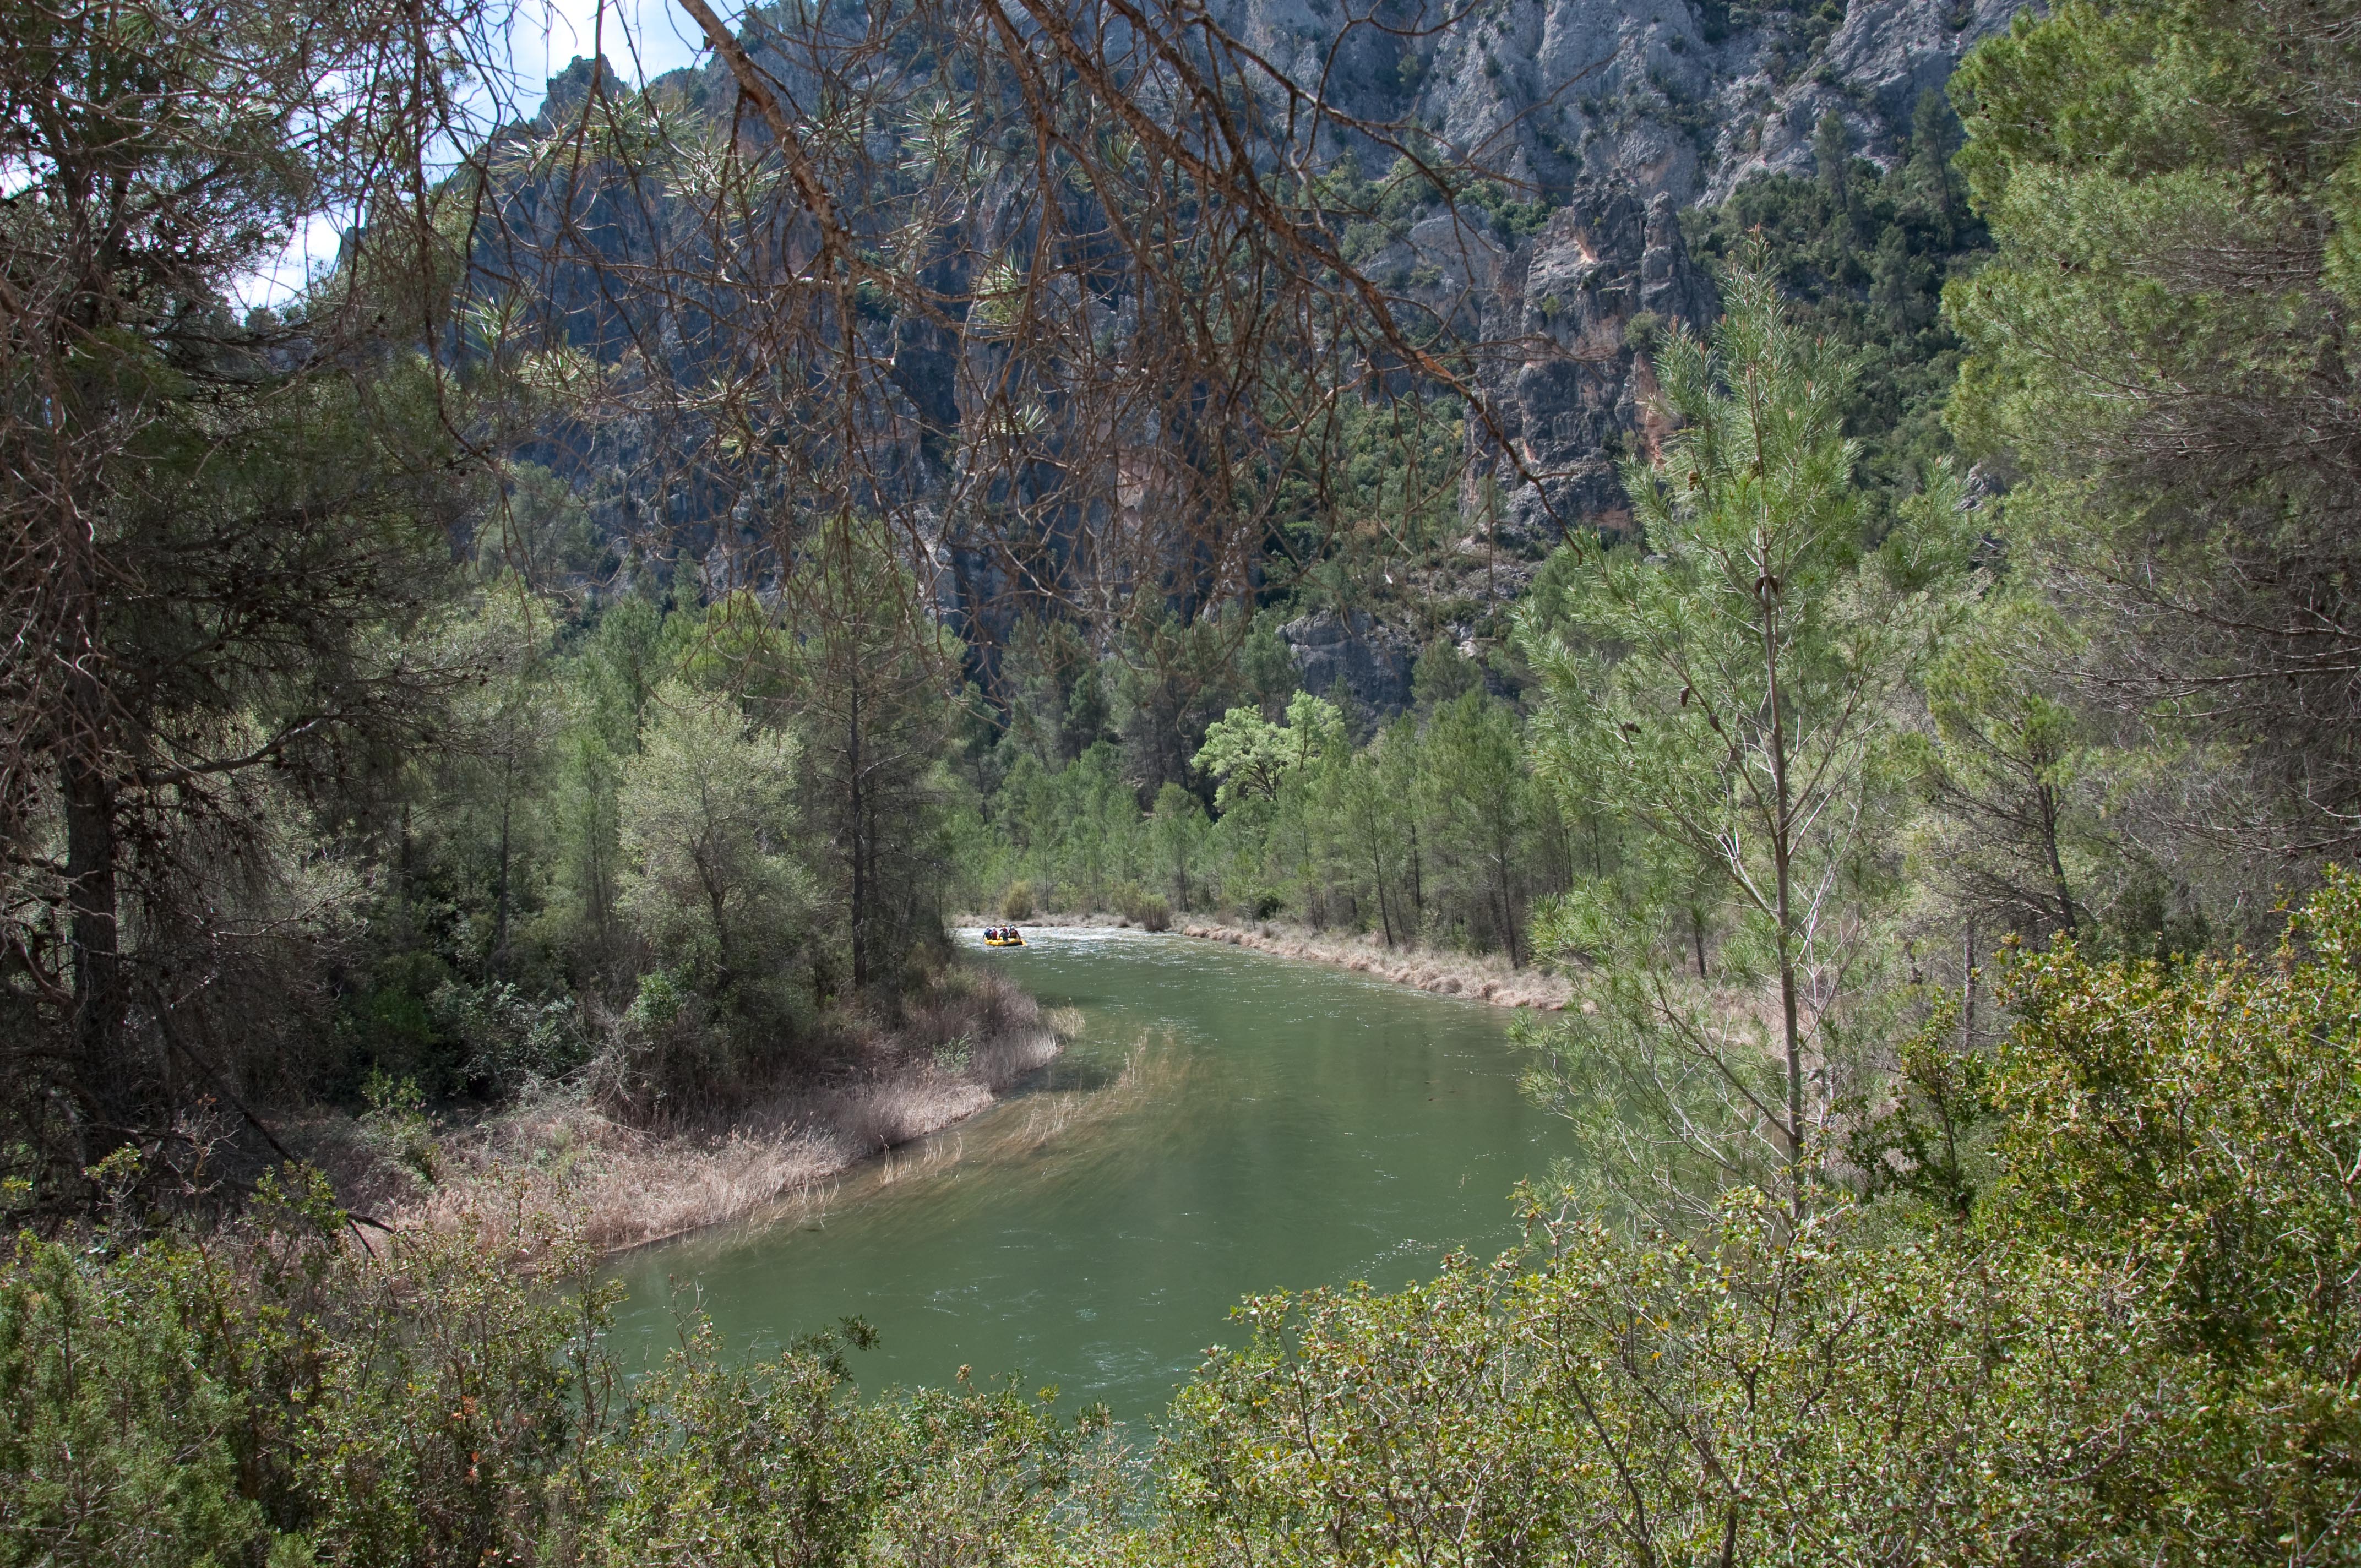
pixel 1732 694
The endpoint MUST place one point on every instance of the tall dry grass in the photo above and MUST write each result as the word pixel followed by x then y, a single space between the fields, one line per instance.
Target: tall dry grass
pixel 1478 976
pixel 965 1039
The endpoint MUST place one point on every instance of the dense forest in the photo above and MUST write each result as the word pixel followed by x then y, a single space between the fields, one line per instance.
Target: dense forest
pixel 582 647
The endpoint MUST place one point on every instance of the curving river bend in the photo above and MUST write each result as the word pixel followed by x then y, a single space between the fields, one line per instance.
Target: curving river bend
pixel 1226 1123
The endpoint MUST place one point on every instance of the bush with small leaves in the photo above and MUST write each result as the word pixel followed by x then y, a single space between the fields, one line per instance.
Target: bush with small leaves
pixel 1016 904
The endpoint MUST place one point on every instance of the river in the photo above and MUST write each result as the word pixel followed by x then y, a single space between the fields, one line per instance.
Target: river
pixel 1225 1122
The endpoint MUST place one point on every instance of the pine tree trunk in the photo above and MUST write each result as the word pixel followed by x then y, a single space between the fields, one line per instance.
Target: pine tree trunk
pixel 2047 798
pixel 1781 851
pixel 857 821
pixel 500 895
pixel 92 901
pixel 105 1083
pixel 1968 991
pixel 1417 878
pixel 1378 880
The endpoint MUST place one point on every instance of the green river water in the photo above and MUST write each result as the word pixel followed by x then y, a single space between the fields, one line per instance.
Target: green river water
pixel 1226 1123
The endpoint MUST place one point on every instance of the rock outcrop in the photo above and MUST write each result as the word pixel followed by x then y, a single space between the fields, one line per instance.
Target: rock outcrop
pixel 1372 661
pixel 1618 114
pixel 1685 98
pixel 1567 317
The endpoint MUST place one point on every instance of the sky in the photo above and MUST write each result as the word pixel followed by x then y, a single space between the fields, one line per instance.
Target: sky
pixel 548 33
pixel 641 39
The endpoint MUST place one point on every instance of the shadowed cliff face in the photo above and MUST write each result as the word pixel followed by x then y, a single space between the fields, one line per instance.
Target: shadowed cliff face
pixel 1371 661
pixel 1568 319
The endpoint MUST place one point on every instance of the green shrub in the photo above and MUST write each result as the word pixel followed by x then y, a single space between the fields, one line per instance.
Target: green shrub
pixel 2134 1342
pixel 116 1447
pixel 271 1393
pixel 1743 1397
pixel 2136 1346
pixel 450 1400
pixel 1016 904
pixel 1143 908
pixel 396 1122
pixel 179 1400
pixel 2204 1118
pixel 726 1462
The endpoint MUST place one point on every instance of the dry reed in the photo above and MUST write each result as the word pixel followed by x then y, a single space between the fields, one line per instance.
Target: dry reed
pixel 556 1156
pixel 1478 976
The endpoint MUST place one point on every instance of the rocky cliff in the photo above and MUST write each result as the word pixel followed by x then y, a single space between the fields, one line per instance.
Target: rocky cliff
pixel 1682 98
pixel 1612 117
pixel 1569 316
pixel 1370 660
pixel 1606 119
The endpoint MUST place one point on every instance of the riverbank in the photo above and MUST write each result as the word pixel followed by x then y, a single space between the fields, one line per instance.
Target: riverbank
pixel 1478 976
pixel 1199 1142
pixel 556 1163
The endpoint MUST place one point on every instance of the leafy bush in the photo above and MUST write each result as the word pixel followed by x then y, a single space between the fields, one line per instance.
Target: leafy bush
pixel 397 1123
pixel 1142 908
pixel 115 1446
pixel 1747 1396
pixel 269 1393
pixel 512 1041
pixel 2132 1343
pixel 192 1398
pixel 779 1461
pixel 1016 904
pixel 2204 1119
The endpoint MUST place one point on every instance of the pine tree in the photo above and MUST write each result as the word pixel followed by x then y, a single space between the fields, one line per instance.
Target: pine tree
pixel 1732 694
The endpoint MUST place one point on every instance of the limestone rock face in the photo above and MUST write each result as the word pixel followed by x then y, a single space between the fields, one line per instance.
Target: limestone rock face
pixel 1567 380
pixel 1870 72
pixel 1374 661
pixel 1619 114
pixel 1681 97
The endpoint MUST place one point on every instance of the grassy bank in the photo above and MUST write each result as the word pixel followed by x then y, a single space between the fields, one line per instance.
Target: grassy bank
pixel 1478 976
pixel 556 1161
